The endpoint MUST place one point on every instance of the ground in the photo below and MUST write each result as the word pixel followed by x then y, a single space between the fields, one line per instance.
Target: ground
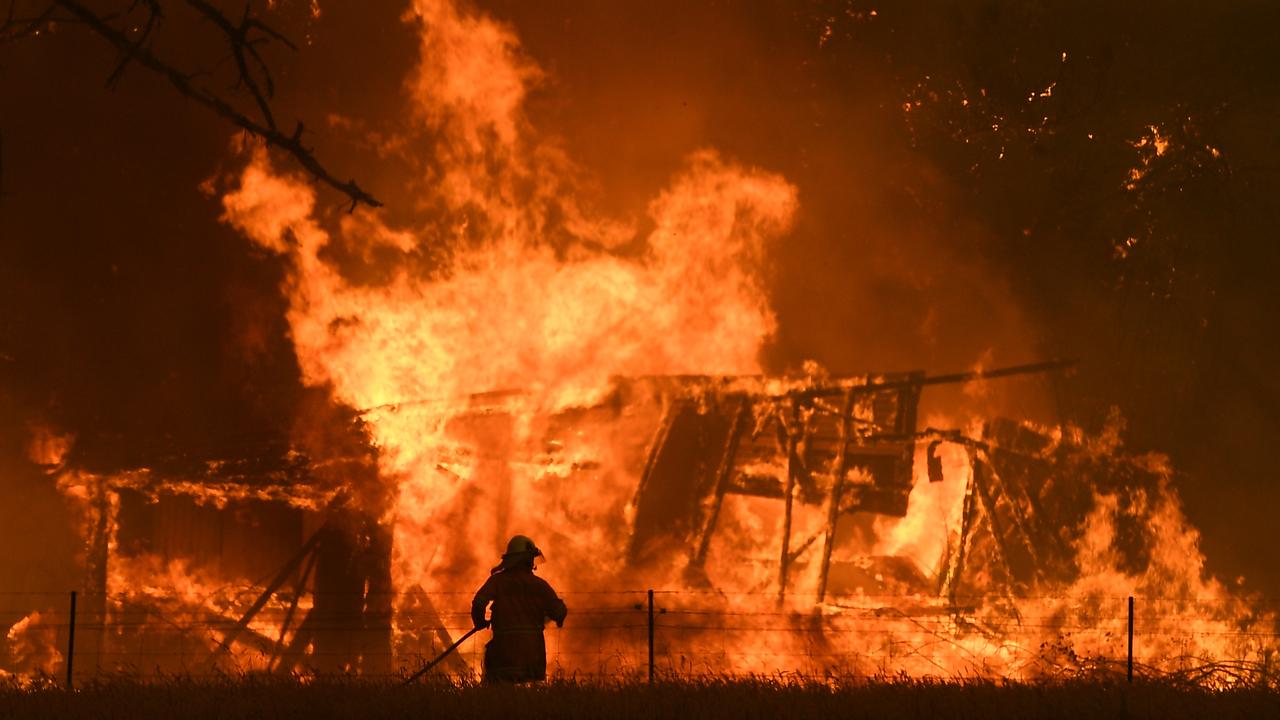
pixel 761 698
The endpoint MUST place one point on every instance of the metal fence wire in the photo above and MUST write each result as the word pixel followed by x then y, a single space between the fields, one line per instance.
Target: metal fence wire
pixel 662 635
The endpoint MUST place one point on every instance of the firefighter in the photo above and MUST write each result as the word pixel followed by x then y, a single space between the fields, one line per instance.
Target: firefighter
pixel 522 603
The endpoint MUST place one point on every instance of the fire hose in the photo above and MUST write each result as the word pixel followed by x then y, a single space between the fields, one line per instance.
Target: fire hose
pixel 426 668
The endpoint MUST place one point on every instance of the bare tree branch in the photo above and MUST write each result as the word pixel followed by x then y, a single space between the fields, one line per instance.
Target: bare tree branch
pixel 153 16
pixel 242 45
pixel 243 38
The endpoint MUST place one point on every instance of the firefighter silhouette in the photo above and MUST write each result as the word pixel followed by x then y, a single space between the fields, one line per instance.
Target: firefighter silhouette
pixel 521 605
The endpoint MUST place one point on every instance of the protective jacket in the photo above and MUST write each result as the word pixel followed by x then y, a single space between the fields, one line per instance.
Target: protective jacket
pixel 522 603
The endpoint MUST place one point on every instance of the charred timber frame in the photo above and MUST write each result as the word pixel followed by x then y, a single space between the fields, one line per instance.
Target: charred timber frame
pixel 99 553
pixel 307 553
pixel 339 608
pixel 1020 521
pixel 874 424
pixel 792 429
pixel 353 597
pixel 655 447
pixel 837 493
pixel 300 586
pixel 950 580
pixel 723 473
pixel 988 510
pixel 1003 462
pixel 920 380
pixel 887 441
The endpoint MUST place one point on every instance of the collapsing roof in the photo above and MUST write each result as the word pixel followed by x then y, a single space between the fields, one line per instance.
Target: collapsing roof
pixel 847 445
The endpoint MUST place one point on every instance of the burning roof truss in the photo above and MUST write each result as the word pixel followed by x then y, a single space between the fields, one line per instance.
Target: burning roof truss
pixel 842 446
pixel 1025 503
pixel 846 445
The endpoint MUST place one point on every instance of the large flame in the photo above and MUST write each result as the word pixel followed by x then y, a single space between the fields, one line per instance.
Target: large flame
pixel 535 295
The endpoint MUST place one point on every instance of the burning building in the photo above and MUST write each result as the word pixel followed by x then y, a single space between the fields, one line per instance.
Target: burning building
pixel 751 495
pixel 179 542
pixel 512 359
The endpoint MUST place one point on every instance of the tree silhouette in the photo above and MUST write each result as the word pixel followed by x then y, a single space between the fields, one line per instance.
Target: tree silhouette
pixel 132 30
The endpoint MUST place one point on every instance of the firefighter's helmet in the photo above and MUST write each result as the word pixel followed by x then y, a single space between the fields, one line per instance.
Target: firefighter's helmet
pixel 521 546
pixel 520 549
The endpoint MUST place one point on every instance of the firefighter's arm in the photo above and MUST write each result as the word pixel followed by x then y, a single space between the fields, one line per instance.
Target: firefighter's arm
pixel 479 604
pixel 555 607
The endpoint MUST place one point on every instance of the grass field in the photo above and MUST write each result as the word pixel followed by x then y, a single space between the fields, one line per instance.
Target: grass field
pixel 728 699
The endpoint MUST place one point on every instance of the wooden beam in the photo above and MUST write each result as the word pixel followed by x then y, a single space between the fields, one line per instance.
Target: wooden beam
pixel 837 493
pixel 286 572
pixel 950 579
pixel 299 587
pixel 293 654
pixel 1020 523
pixel 655 449
pixel 996 528
pixel 788 499
pixel 723 473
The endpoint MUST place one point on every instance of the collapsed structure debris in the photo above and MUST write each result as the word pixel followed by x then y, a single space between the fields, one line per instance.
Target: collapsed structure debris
pixel 288 559
pixel 847 445
pixel 223 538
pixel 306 539
pixel 1025 503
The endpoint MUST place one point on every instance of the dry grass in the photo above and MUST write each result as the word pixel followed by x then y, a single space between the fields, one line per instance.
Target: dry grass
pixel 759 698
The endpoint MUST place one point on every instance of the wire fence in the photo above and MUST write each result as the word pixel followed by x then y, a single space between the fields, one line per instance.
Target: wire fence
pixel 647 635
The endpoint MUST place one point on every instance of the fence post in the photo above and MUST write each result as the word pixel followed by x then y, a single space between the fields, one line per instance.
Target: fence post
pixel 650 635
pixel 1130 665
pixel 71 642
